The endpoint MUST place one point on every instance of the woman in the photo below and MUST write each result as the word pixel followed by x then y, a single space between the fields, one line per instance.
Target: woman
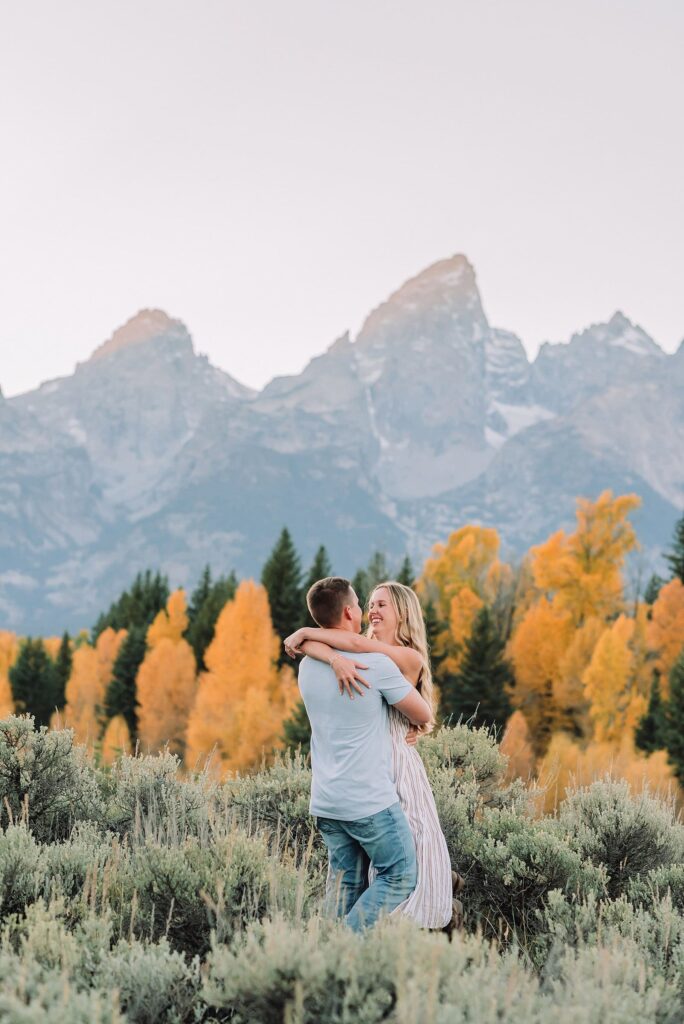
pixel 397 629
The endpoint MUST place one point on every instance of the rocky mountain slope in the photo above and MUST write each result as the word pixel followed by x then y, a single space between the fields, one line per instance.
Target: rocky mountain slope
pixel 150 456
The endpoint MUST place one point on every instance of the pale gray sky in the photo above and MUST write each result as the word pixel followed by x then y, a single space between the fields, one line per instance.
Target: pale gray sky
pixel 269 170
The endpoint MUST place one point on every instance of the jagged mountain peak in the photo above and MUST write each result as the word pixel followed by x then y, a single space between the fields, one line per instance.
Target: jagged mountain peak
pixel 145 326
pixel 446 289
pixel 619 332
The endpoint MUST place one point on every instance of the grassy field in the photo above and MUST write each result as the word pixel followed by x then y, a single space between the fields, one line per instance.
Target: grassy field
pixel 136 893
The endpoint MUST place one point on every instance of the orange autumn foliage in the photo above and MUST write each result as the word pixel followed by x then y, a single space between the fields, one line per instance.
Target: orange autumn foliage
pixel 91 673
pixel 462 614
pixel 578 578
pixel 52 645
pixel 566 765
pixel 583 570
pixel 171 622
pixel 536 650
pixel 617 695
pixel 9 649
pixel 116 739
pixel 243 698
pixel 665 631
pixel 458 579
pixel 516 745
pixel 167 680
pixel 470 558
pixel 569 688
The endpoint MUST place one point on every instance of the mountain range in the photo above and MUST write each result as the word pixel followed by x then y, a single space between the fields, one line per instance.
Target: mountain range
pixel 149 456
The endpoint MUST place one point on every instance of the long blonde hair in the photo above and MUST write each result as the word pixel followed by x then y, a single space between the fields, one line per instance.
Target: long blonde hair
pixel 410 632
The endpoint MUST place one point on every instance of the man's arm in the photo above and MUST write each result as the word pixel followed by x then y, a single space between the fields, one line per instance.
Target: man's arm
pixel 346 670
pixel 400 694
pixel 408 661
pixel 415 708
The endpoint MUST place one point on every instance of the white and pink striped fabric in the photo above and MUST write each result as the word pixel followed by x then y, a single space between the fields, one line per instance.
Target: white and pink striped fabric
pixel 430 903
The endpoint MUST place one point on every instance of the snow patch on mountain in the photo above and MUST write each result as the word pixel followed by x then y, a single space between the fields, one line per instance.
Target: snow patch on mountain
pixel 520 417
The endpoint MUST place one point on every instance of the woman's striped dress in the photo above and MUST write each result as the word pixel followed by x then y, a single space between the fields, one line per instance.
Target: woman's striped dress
pixel 430 903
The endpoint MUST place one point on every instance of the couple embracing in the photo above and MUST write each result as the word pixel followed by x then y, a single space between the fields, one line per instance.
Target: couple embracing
pixel 369 791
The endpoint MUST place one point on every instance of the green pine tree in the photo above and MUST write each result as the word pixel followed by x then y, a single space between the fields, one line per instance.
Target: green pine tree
pixel 137 606
pixel 205 606
pixel 377 570
pixel 433 629
pixel 360 586
pixel 62 670
pixel 365 580
pixel 649 734
pixel 653 588
pixel 33 681
pixel 121 698
pixel 673 719
pixel 481 685
pixel 297 729
pixel 675 556
pixel 406 575
pixel 320 568
pixel 200 593
pixel 282 578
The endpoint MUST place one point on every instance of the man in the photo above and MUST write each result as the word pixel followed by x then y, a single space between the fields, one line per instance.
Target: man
pixel 352 790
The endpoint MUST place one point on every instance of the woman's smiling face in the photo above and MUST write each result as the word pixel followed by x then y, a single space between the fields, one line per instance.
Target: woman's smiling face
pixel 382 616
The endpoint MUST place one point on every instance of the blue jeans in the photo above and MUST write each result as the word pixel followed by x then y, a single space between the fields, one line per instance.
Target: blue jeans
pixel 383 839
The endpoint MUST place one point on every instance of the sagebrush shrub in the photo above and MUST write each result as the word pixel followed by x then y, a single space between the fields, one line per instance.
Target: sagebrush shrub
pixel 148 982
pixel 628 835
pixel 147 795
pixel 325 973
pixel 652 886
pixel 155 985
pixel 398 974
pixel 44 779
pixel 658 930
pixel 512 864
pixel 20 872
pixel 185 891
pixel 611 984
pixel 110 899
pixel 469 754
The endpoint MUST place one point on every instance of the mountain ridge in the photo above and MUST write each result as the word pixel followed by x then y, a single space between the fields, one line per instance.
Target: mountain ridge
pixel 148 455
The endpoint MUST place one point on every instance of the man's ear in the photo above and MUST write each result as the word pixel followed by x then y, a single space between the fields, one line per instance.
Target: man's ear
pixel 347 613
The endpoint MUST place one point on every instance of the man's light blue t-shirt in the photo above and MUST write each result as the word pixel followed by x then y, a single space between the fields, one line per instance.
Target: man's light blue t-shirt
pixel 351 749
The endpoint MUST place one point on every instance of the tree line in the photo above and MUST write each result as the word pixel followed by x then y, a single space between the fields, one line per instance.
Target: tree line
pixel 574 677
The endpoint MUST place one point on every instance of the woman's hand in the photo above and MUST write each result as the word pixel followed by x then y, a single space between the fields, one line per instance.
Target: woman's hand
pixel 294 641
pixel 347 673
pixel 412 735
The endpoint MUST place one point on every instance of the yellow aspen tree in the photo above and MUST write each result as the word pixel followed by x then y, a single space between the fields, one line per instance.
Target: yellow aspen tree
pixel 171 622
pixel 567 764
pixel 516 745
pixel 9 649
pixel 91 673
pixel 582 571
pixel 462 613
pixel 525 591
pixel 52 644
pixel 569 688
pixel 536 650
pixel 459 578
pixel 116 739
pixel 614 684
pixel 167 680
pixel 665 631
pixel 242 698
pixel 469 558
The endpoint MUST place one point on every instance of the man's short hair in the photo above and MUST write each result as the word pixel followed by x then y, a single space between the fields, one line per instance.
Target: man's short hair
pixel 326 600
